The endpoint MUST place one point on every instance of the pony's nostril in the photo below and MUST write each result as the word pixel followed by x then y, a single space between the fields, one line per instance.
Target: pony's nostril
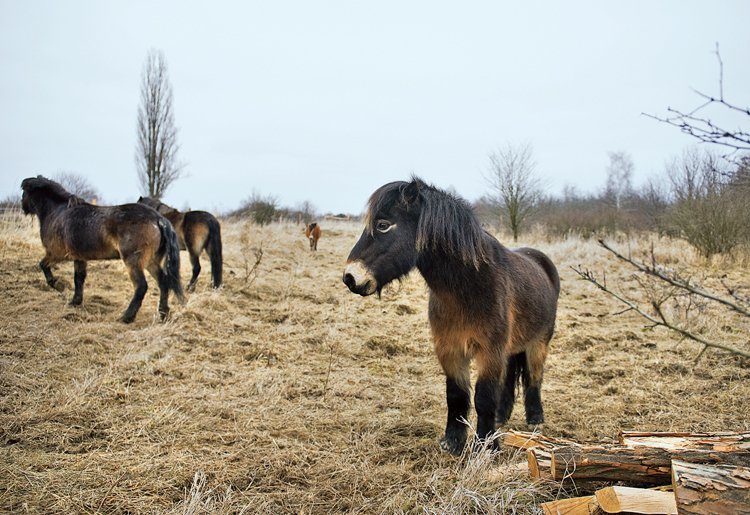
pixel 349 281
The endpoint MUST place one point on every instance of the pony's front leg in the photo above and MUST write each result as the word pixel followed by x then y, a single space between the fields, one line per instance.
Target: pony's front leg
pixel 46 265
pixel 79 277
pixel 455 364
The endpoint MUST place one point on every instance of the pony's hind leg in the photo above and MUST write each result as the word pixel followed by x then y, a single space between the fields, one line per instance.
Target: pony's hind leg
pixel 163 282
pixel 138 278
pixel 516 364
pixel 487 395
pixel 79 277
pixel 532 377
pixel 455 364
pixel 195 260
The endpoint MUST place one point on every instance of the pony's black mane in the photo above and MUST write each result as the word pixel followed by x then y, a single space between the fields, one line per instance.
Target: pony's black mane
pixel 49 188
pixel 446 223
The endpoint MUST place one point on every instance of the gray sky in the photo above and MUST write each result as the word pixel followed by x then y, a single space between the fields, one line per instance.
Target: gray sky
pixel 325 101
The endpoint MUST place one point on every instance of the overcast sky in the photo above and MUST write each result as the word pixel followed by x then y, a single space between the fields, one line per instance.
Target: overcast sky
pixel 325 101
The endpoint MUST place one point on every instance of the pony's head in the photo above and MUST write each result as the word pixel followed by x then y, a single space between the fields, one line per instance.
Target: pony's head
pixel 405 220
pixel 37 190
pixel 387 249
pixel 157 204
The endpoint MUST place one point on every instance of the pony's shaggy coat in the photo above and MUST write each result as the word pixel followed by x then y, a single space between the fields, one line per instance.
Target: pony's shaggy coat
pixel 196 231
pixel 487 302
pixel 72 229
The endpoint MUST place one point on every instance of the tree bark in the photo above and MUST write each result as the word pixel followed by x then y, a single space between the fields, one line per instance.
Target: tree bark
pixel 575 506
pixel 641 465
pixel 711 489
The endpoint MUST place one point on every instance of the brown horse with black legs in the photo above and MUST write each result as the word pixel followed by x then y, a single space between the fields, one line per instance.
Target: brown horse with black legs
pixel 312 232
pixel 72 229
pixel 197 231
pixel 487 302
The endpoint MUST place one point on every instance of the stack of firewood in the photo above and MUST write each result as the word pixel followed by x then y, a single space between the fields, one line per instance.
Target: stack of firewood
pixel 701 473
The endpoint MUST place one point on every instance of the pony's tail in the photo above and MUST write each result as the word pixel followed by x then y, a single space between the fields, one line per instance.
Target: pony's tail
pixel 214 250
pixel 171 258
pixel 517 370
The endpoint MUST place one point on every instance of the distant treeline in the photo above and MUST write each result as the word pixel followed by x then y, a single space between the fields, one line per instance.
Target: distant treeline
pixel 701 198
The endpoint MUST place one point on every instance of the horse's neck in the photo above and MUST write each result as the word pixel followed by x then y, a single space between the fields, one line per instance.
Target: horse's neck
pixel 47 209
pixel 445 273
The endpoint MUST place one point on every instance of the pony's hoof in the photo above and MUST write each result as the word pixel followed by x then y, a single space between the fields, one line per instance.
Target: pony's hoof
pixel 75 302
pixel 536 428
pixel 58 285
pixel 190 288
pixel 127 319
pixel 163 315
pixel 452 445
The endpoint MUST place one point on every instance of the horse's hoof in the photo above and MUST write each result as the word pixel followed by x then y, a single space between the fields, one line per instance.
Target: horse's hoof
pixel 536 428
pixel 163 315
pixel 75 302
pixel 452 446
pixel 190 288
pixel 58 285
pixel 125 319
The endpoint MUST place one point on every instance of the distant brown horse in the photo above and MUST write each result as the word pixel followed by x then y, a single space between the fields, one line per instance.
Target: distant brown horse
pixel 72 229
pixel 312 232
pixel 197 231
pixel 487 302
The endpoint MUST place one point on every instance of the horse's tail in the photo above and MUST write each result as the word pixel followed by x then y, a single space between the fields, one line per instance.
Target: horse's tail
pixel 171 258
pixel 214 250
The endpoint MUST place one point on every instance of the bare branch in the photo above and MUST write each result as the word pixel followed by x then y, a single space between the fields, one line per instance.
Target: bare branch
pixel 677 281
pixel 661 321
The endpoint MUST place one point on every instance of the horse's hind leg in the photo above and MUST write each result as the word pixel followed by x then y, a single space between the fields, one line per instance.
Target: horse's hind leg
pixel 516 363
pixel 161 278
pixel 536 354
pixel 491 374
pixel 455 364
pixel 195 260
pixel 138 278
pixel 79 277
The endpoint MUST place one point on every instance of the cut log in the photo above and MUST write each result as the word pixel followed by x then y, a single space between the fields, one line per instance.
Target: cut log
pixel 711 489
pixel 619 499
pixel 540 461
pixel 720 441
pixel 640 465
pixel 575 506
pixel 525 440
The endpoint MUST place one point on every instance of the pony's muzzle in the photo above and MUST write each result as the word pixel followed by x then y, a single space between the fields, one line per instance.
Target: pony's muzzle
pixel 359 279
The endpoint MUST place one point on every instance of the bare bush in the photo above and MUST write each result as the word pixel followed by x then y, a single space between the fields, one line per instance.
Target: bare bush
pixel 259 208
pixel 78 185
pixel 707 212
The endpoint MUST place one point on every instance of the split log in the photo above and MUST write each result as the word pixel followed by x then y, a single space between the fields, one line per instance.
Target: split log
pixel 641 465
pixel 711 489
pixel 619 499
pixel 720 441
pixel 575 506
pixel 526 440
pixel 540 462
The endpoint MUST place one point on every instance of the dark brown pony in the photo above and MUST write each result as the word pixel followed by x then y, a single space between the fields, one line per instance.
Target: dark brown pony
pixel 72 229
pixel 487 302
pixel 196 231
pixel 312 232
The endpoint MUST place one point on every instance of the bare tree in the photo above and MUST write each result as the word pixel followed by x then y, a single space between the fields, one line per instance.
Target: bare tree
pixel 696 122
pixel 619 177
pixel 515 187
pixel 157 146
pixel 78 185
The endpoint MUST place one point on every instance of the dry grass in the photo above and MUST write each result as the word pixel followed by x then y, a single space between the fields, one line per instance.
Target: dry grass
pixel 283 392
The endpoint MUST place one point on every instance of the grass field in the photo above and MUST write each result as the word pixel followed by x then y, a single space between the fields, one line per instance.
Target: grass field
pixel 283 392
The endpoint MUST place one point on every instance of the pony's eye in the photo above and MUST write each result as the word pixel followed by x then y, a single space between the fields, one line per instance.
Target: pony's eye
pixel 383 226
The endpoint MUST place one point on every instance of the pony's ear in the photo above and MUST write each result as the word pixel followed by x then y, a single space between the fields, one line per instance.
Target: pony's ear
pixel 410 193
pixel 140 199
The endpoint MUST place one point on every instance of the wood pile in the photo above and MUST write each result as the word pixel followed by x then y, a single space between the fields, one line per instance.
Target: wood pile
pixel 665 473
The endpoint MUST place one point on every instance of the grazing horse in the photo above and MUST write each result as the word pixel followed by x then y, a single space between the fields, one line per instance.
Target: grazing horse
pixel 196 231
pixel 486 302
pixel 73 229
pixel 312 232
